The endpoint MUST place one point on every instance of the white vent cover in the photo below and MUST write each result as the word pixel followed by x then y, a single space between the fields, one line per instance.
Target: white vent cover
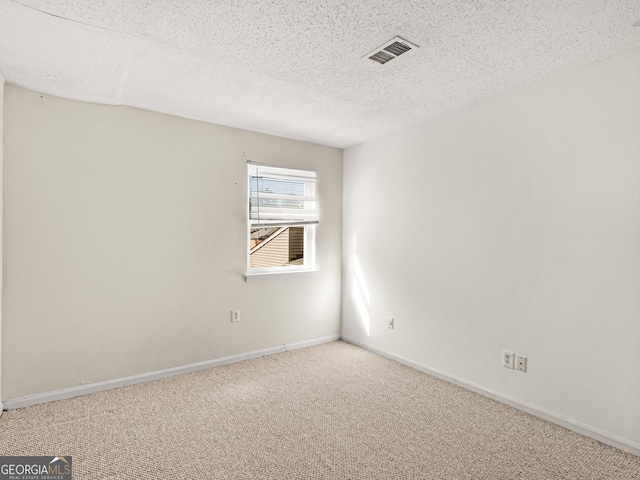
pixel 390 50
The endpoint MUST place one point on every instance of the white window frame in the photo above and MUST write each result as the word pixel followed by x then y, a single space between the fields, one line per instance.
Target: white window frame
pixel 309 225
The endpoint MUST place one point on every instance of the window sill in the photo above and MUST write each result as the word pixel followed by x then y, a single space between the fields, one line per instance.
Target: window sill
pixel 268 276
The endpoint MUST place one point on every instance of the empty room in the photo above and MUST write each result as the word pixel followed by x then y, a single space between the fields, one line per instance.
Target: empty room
pixel 320 240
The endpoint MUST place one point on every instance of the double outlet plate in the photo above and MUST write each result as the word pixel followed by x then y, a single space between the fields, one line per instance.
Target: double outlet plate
pixel 514 360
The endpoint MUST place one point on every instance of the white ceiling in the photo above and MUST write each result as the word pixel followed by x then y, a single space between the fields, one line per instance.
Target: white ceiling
pixel 294 68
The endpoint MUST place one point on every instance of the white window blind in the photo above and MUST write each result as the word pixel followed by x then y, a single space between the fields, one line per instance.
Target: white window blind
pixel 282 196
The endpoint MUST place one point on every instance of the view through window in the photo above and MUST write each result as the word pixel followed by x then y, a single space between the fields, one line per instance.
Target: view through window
pixel 282 217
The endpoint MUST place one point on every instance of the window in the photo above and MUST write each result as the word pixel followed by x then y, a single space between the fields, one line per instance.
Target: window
pixel 283 214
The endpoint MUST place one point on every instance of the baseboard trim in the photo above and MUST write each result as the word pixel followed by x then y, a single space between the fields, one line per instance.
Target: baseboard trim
pixel 30 400
pixel 568 423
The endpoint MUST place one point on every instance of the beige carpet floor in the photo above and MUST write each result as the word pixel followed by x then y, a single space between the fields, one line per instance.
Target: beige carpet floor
pixel 334 411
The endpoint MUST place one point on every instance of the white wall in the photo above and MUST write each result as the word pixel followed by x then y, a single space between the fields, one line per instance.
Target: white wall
pixel 1 223
pixel 512 224
pixel 125 244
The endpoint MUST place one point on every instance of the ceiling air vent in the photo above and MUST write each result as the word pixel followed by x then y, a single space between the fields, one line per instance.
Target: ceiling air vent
pixel 390 50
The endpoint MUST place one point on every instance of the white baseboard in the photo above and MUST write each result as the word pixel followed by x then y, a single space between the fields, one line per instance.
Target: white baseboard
pixel 29 400
pixel 568 423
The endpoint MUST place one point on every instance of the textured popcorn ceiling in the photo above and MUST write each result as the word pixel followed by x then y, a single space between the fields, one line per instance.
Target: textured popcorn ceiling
pixel 295 68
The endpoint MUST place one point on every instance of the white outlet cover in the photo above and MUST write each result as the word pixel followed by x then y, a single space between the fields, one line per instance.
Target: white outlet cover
pixel 390 322
pixel 508 359
pixel 521 363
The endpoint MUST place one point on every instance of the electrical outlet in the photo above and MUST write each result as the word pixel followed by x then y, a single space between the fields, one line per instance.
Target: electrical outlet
pixel 521 363
pixel 235 316
pixel 508 359
pixel 390 322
